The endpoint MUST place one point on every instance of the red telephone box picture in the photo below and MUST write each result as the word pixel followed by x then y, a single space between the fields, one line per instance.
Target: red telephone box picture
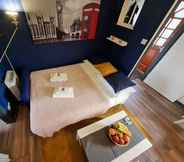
pixel 89 22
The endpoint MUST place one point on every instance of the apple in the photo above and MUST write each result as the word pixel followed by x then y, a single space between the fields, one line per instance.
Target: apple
pixel 121 141
pixel 115 139
pixel 112 131
pixel 126 138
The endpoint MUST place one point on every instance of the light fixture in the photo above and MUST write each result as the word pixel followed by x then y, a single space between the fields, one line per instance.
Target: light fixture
pixel 13 15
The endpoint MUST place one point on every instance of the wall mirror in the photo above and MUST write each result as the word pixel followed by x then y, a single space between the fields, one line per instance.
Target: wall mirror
pixel 130 12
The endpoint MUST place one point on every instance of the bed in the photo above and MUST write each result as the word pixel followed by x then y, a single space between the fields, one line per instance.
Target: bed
pixel 92 96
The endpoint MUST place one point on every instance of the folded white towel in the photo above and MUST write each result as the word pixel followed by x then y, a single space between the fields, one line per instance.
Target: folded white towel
pixel 63 92
pixel 58 77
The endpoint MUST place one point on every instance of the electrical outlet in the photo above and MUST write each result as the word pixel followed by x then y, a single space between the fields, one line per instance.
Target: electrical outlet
pixel 144 41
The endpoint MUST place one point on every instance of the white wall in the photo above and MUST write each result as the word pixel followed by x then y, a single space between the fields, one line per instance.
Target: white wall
pixel 181 100
pixel 168 76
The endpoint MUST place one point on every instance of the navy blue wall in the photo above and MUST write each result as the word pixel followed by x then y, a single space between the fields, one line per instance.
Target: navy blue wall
pixel 151 16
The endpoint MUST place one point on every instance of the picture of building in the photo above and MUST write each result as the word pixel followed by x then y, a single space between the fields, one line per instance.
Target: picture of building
pixel 62 20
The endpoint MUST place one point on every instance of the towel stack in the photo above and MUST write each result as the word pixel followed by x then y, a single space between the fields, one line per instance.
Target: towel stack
pixel 65 92
pixel 61 92
pixel 58 77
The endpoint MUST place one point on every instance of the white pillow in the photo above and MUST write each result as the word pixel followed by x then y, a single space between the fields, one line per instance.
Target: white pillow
pixel 105 86
pixel 92 67
pixel 98 79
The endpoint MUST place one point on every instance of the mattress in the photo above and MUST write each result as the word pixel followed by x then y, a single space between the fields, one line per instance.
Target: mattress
pixel 48 115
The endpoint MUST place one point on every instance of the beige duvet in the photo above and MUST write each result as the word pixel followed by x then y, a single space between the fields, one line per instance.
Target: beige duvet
pixel 49 115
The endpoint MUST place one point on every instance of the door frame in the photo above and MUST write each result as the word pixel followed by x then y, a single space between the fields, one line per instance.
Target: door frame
pixel 157 32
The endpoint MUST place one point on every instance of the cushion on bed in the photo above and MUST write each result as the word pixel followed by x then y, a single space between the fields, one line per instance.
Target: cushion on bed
pixel 105 86
pixel 97 60
pixel 91 68
pixel 119 81
pixel 106 68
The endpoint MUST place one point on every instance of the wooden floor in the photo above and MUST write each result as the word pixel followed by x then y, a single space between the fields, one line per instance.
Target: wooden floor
pixel 155 112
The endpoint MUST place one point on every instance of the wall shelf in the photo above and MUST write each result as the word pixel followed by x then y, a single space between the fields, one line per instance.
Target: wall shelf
pixel 117 40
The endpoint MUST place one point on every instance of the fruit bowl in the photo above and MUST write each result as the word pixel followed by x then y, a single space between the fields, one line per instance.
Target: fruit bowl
pixel 119 134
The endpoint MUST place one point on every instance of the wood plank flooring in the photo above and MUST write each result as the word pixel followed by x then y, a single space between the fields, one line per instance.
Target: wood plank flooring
pixel 154 111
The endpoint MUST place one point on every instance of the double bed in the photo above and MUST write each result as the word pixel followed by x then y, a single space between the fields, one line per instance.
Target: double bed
pixel 92 96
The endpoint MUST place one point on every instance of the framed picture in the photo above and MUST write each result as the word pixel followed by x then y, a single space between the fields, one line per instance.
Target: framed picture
pixel 62 20
pixel 130 12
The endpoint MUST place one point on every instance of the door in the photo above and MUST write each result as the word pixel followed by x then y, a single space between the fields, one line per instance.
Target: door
pixel 164 38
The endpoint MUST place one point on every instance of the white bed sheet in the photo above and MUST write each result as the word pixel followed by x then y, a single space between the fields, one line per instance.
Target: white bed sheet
pixel 104 87
pixel 92 98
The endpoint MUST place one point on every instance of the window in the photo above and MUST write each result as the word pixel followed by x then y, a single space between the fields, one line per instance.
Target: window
pixel 167 33
pixel 180 7
pixel 180 11
pixel 174 23
pixel 160 42
pixel 175 20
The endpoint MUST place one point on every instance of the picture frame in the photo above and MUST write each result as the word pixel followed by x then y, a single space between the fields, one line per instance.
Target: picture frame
pixel 62 20
pixel 129 13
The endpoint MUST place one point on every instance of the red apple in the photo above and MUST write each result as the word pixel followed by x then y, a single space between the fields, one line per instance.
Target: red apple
pixel 115 139
pixel 126 138
pixel 121 141
pixel 112 131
